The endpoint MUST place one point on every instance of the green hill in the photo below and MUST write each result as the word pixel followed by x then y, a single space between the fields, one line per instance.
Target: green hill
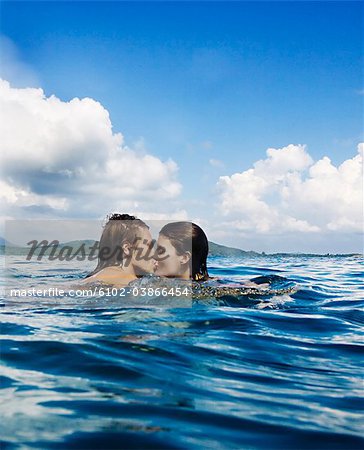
pixel 214 249
pixel 222 250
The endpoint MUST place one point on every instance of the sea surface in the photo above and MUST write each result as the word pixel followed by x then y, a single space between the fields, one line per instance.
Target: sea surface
pixel 269 372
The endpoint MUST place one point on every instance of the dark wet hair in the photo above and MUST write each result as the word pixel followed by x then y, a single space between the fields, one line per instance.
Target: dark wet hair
pixel 119 229
pixel 183 236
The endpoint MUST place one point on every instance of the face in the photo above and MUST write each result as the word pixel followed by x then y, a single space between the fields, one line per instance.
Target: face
pixel 169 263
pixel 142 255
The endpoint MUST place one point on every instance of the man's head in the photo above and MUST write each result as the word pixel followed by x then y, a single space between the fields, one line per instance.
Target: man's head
pixel 126 242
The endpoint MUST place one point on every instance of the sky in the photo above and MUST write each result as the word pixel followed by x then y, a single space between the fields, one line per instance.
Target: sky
pixel 246 117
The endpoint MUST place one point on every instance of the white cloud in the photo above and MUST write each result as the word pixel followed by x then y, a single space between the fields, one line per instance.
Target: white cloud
pixel 289 192
pixel 292 158
pixel 58 155
pixel 23 197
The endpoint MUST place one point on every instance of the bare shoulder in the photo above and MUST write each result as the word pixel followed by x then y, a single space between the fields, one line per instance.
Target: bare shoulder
pixel 111 276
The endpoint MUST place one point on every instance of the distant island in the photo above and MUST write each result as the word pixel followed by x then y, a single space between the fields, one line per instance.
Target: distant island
pixel 215 250
pixel 223 250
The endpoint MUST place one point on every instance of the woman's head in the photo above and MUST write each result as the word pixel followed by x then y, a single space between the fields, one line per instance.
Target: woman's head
pixel 185 251
pixel 125 240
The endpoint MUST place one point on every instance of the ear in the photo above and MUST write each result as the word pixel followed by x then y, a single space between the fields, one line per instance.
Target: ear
pixel 185 258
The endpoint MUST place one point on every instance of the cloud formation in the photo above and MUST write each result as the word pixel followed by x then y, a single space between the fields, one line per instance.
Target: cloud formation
pixel 64 158
pixel 289 192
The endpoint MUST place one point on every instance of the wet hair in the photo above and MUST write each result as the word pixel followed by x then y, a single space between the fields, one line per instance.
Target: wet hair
pixel 183 236
pixel 119 229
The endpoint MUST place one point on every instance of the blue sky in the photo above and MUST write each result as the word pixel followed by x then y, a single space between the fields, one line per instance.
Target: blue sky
pixel 205 81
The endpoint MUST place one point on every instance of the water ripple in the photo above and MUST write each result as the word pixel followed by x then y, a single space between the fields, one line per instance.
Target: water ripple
pixel 278 372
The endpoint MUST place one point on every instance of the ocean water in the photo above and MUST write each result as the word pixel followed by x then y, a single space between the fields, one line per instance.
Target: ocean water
pixel 270 372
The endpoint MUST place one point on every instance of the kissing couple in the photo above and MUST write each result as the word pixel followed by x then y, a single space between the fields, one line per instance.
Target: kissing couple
pixel 127 252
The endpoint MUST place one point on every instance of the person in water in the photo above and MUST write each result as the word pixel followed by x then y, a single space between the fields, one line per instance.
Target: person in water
pixel 182 250
pixel 185 246
pixel 126 256
pixel 124 252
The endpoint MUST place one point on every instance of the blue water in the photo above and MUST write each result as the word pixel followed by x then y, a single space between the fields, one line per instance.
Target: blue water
pixel 257 373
